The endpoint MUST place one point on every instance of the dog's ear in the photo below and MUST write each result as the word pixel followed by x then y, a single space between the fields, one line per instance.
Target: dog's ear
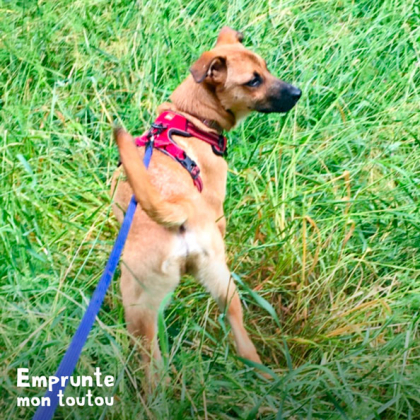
pixel 210 65
pixel 229 36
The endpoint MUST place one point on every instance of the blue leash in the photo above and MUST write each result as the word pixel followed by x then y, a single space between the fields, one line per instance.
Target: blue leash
pixel 69 361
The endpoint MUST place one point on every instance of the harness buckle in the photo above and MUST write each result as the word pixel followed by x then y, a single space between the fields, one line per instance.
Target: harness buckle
pixel 190 166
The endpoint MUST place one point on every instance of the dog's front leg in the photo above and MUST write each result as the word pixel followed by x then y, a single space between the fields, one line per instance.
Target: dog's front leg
pixel 215 276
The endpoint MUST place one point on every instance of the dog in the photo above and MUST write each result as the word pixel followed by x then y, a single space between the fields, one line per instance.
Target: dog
pixel 177 229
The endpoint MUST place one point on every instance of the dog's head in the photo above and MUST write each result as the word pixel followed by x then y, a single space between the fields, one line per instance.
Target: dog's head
pixel 240 78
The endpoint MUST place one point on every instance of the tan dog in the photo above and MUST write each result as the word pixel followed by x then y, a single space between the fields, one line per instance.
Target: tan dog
pixel 176 229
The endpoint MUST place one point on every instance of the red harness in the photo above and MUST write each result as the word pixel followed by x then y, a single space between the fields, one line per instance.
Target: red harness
pixel 160 137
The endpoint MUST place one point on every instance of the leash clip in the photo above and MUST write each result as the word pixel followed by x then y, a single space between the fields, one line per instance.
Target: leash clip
pixel 158 128
pixel 151 141
pixel 155 131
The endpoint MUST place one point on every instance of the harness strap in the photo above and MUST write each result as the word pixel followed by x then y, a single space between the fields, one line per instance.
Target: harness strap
pixel 178 122
pixel 218 142
pixel 160 137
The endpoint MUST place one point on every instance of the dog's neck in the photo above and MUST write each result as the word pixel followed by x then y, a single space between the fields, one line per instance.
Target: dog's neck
pixel 199 101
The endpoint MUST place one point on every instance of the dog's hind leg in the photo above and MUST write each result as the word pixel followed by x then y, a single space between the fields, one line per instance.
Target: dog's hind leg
pixel 142 296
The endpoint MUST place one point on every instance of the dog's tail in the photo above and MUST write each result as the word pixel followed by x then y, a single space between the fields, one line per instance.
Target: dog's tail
pixel 166 212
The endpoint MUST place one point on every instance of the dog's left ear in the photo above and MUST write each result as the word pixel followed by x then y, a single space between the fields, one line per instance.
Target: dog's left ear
pixel 210 65
pixel 229 36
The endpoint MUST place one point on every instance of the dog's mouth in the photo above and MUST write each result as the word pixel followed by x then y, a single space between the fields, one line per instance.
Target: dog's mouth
pixel 282 99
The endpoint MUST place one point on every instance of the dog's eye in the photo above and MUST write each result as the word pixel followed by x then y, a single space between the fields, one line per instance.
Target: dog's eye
pixel 255 81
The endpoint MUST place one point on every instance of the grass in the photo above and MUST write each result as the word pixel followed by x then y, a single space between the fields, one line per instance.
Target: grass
pixel 322 206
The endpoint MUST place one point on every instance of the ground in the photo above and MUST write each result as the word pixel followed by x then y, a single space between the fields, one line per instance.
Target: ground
pixel 322 206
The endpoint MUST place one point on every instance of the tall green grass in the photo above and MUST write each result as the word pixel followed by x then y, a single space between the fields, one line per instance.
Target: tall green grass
pixel 322 206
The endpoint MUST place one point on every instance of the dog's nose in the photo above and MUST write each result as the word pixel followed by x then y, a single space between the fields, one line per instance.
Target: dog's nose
pixel 295 92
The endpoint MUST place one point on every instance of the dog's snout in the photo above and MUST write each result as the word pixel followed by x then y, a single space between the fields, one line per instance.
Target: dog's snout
pixel 282 98
pixel 286 97
pixel 295 92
